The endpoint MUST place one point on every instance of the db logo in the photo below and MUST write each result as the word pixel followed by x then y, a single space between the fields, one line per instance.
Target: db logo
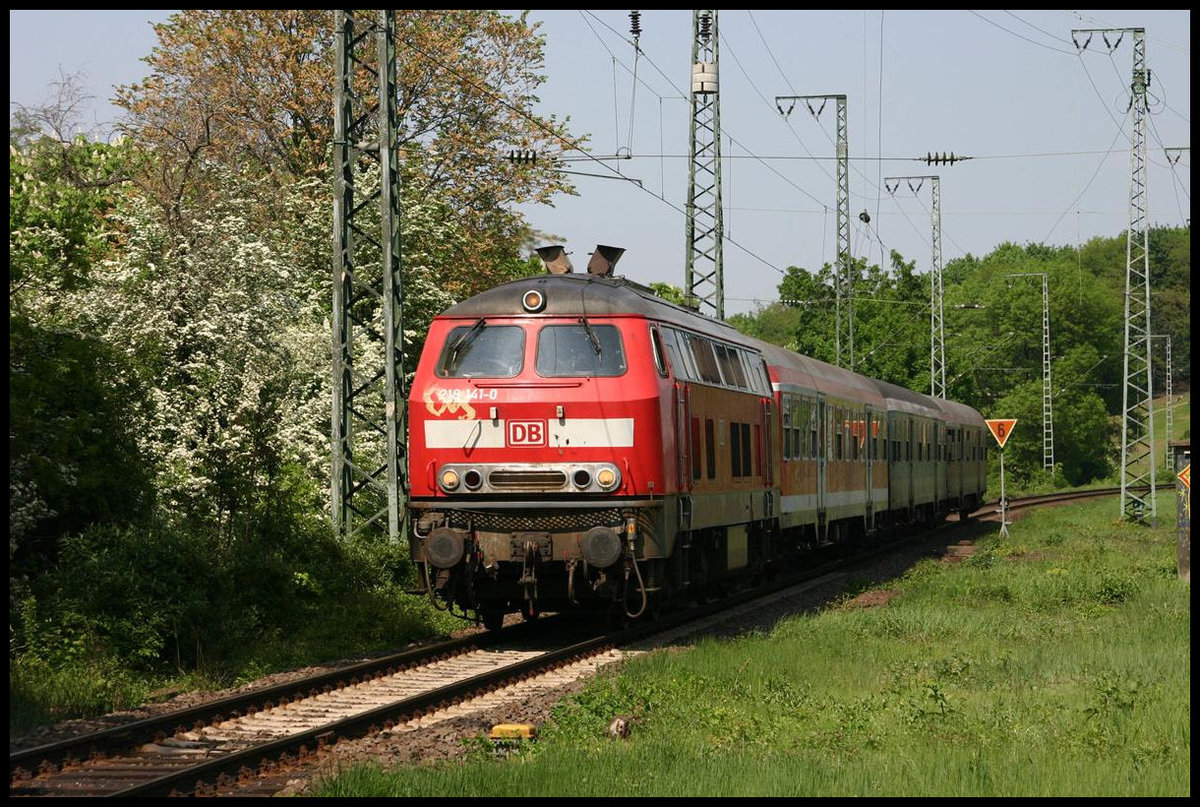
pixel 527 432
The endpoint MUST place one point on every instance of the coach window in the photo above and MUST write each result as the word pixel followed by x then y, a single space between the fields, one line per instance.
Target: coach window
pixel 839 427
pixel 800 419
pixel 814 425
pixel 787 429
pixel 580 349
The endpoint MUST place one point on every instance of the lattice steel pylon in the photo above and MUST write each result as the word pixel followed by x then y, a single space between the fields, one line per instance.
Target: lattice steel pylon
pixel 1047 395
pixel 368 364
pixel 937 318
pixel 844 284
pixel 704 286
pixel 1137 410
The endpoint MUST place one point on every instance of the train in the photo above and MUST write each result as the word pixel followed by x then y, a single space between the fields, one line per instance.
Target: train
pixel 577 442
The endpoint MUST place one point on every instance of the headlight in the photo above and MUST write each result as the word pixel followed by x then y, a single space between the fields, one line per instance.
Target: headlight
pixel 533 301
pixel 607 478
pixel 449 479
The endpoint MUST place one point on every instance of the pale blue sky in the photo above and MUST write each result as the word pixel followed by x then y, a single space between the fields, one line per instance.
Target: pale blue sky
pixel 1045 123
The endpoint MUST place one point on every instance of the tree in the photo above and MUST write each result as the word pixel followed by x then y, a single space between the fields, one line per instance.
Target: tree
pixel 73 458
pixel 254 88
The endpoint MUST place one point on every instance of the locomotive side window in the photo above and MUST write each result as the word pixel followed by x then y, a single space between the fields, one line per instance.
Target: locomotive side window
pixel 731 366
pixel 735 449
pixel 759 367
pixel 710 448
pixel 747 459
pixel 696 448
pixel 680 353
pixel 660 359
pixel 580 350
pixel 482 350
pixel 706 362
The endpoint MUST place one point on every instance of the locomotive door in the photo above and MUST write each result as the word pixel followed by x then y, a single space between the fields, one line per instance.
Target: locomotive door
pixel 685 449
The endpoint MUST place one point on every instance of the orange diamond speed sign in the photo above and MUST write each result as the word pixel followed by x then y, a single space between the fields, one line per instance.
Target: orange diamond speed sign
pixel 1185 476
pixel 1001 429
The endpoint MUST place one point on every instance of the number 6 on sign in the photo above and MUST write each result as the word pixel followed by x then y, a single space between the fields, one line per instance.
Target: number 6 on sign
pixel 1001 429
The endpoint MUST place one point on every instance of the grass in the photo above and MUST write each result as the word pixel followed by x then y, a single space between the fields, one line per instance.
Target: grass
pixel 79 682
pixel 1055 662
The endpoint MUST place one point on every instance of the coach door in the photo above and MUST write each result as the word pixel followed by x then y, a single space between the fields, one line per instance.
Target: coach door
pixel 868 453
pixel 822 442
pixel 939 466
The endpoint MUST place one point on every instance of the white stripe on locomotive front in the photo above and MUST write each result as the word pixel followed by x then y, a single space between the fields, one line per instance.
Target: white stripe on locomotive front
pixel 569 433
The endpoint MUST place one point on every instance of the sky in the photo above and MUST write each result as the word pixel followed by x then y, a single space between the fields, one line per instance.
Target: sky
pixel 1044 120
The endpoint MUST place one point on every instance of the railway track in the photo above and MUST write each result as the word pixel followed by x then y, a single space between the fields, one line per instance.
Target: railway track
pixel 247 744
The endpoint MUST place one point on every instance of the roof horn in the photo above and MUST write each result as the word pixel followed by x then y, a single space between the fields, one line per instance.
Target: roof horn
pixel 555 259
pixel 604 259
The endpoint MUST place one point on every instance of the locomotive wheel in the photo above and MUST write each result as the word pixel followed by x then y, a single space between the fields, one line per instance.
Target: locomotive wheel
pixel 529 611
pixel 493 618
pixel 616 618
pixel 702 586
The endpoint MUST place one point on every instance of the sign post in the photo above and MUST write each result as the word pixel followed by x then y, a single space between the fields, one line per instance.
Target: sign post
pixel 1001 429
pixel 1183 465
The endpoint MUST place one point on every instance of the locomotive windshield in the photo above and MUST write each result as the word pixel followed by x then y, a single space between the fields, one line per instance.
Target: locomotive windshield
pixel 481 350
pixel 580 350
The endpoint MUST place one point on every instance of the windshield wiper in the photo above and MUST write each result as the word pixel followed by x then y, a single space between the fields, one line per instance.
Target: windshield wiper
pixel 591 335
pixel 464 340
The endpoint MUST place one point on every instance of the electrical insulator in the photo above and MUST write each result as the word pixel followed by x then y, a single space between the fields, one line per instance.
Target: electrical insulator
pixel 522 156
pixel 635 23
pixel 705 26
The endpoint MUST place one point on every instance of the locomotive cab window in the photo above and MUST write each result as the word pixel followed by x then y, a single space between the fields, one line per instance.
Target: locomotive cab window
pixel 582 349
pixel 482 350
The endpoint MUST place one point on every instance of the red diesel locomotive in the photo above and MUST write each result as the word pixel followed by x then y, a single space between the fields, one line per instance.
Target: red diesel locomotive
pixel 575 441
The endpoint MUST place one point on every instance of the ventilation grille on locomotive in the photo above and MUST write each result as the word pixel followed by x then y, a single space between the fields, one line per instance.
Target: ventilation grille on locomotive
pixel 527 480
pixel 551 521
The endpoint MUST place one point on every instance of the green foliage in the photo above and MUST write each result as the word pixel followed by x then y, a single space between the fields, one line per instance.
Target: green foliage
pixel 58 195
pixel 670 293
pixel 1055 668
pixel 42 692
pixel 73 455
pixel 157 601
pixel 993 338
